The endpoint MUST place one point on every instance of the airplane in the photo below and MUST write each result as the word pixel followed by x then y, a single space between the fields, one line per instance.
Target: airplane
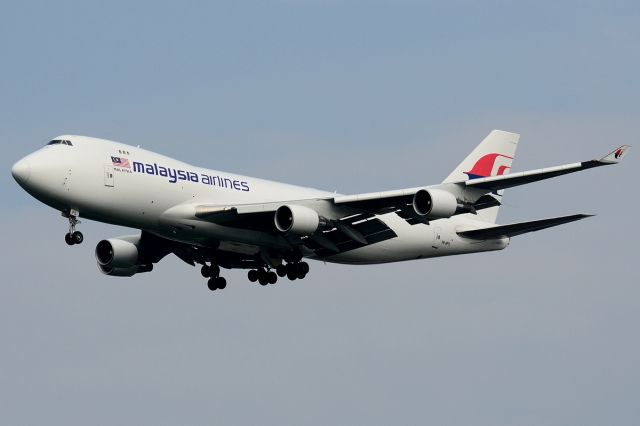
pixel 220 220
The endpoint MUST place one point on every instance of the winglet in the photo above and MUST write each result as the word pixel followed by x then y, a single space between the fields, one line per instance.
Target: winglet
pixel 616 155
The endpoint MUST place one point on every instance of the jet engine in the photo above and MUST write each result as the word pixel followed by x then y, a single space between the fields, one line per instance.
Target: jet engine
pixel 435 203
pixel 297 220
pixel 120 257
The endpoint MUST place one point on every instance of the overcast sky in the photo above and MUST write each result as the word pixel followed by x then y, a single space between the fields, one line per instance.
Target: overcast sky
pixel 351 96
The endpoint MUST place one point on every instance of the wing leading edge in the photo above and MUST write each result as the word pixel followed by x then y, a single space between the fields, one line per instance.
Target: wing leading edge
pixel 495 183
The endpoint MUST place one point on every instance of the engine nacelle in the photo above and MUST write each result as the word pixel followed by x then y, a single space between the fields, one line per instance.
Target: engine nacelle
pixel 125 272
pixel 297 220
pixel 435 203
pixel 120 257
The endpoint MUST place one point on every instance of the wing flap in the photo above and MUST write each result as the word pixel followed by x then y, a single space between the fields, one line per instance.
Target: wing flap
pixel 515 229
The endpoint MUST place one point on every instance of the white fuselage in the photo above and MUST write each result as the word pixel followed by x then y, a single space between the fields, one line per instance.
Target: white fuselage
pixel 150 194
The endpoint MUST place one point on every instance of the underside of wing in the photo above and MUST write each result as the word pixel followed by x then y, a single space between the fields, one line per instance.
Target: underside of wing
pixel 349 233
pixel 316 227
pixel 515 229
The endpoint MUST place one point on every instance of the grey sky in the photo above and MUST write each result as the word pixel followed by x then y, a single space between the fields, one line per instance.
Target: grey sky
pixel 350 96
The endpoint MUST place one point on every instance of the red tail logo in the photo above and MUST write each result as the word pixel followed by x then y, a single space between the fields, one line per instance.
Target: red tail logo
pixel 486 166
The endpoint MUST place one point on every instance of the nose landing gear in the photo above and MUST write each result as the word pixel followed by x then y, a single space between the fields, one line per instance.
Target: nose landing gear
pixel 73 237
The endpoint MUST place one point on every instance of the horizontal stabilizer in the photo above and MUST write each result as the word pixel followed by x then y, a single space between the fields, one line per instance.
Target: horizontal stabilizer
pixel 519 228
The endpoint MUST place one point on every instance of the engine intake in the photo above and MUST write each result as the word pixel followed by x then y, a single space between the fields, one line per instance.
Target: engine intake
pixel 297 220
pixel 120 257
pixel 435 203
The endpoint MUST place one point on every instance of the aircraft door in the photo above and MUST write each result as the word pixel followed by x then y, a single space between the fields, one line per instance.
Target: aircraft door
pixel 108 176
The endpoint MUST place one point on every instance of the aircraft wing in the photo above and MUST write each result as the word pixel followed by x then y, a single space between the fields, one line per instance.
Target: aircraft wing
pixel 342 229
pixel 495 183
pixel 519 228
pixel 399 201
pixel 351 221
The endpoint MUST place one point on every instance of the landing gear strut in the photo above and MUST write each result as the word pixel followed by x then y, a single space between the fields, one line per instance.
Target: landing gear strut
pixel 73 237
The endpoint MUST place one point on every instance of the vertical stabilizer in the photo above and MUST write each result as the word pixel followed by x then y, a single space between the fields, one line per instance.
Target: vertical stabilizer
pixel 493 157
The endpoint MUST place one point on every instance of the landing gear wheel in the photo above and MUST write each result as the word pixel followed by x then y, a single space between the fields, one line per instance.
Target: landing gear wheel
pixel 221 282
pixel 210 271
pixel 281 270
pixel 304 267
pixel 205 271
pixel 73 236
pixel 292 271
pixel 216 283
pixel 300 274
pixel 212 284
pixel 77 237
pixel 272 277
pixel 263 277
pixel 253 275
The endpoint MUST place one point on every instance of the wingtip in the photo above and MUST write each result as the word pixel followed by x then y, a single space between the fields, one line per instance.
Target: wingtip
pixel 579 216
pixel 616 155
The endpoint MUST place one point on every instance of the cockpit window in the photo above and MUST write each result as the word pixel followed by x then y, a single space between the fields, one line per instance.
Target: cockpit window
pixel 60 142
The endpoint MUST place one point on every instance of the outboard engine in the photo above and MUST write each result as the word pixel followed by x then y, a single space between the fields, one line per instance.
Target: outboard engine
pixel 435 203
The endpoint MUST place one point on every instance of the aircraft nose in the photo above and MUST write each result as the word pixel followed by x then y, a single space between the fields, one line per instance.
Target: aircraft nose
pixel 21 171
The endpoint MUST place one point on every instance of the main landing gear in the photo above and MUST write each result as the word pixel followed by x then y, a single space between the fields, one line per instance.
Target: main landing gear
pixel 215 282
pixel 73 237
pixel 263 276
pixel 292 270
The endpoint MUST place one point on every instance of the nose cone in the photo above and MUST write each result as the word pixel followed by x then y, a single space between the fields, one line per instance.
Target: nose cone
pixel 21 171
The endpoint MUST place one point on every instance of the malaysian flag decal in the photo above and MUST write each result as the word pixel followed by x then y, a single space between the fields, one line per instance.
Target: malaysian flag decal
pixel 120 162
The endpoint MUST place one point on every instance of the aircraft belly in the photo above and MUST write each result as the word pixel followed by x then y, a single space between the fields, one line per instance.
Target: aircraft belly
pixel 411 242
pixel 420 241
